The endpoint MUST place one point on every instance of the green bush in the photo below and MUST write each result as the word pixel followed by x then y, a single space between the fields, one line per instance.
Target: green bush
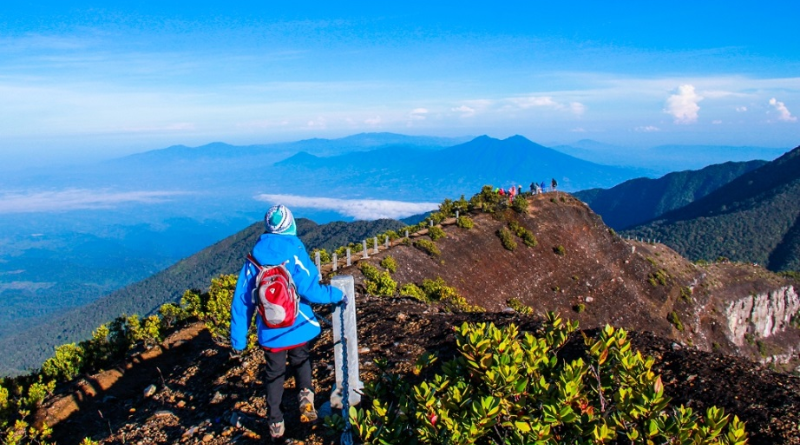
pixel 559 250
pixel 171 314
pixel 436 233
pixel 520 204
pixel 427 246
pixel 438 290
pixel 675 320
pixel 658 277
pixel 217 315
pixel 507 239
pixel 504 387
pixel 324 256
pixel 389 264
pixel 376 282
pixel 413 291
pixel 66 364
pixel 527 237
pixel 520 307
pixel 579 308
pixel 465 222
pixel 486 200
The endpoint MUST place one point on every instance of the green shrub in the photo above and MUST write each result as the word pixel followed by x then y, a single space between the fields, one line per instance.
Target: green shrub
pixel 438 290
pixel 171 314
pixel 465 222
pixel 559 250
pixel 686 294
pixel 504 387
pixel 66 364
pixel 427 246
pixel 658 277
pixel 436 233
pixel 376 282
pixel 507 239
pixel 675 320
pixel 37 392
pixel 520 204
pixel 520 307
pixel 527 237
pixel 389 264
pixel 486 200
pixel 324 256
pixel 413 291
pixel 579 308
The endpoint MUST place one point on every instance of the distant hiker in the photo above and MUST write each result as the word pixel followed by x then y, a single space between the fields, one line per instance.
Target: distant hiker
pixel 519 190
pixel 543 186
pixel 533 188
pixel 280 245
pixel 554 184
pixel 501 192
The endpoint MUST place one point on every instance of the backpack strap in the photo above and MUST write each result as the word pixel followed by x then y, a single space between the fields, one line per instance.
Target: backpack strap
pixel 252 259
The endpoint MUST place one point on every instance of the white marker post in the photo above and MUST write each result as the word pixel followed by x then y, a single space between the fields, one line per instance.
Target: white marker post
pixel 346 284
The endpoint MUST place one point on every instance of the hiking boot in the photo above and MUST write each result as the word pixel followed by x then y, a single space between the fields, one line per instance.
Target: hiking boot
pixel 276 430
pixel 307 411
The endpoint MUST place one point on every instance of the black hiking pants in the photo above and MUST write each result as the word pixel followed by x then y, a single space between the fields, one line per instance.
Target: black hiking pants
pixel 276 373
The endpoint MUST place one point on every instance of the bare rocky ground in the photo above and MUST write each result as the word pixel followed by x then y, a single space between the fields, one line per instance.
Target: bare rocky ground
pixel 199 387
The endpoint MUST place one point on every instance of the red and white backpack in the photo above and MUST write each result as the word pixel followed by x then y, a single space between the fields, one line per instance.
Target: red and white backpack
pixel 275 295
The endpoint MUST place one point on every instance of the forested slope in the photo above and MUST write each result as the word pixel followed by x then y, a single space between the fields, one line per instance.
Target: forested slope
pixel 754 218
pixel 643 199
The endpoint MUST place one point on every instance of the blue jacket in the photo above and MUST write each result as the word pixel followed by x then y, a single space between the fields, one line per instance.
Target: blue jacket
pixel 275 249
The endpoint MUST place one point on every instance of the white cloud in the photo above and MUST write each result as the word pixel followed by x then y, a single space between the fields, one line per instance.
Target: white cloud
pixel 577 108
pixel 464 110
pixel 364 209
pixel 783 112
pixel 716 122
pixel 76 199
pixel 418 114
pixel 741 109
pixel 535 101
pixel 683 105
pixel 646 129
pixel 373 120
pixel 319 123
pixel 578 130
pixel 527 102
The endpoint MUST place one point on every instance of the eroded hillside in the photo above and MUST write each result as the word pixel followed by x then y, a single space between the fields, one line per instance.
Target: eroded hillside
pixel 583 270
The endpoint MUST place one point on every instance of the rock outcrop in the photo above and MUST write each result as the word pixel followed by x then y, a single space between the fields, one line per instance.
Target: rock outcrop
pixel 762 315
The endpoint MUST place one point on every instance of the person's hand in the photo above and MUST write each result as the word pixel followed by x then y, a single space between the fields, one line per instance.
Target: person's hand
pixel 343 302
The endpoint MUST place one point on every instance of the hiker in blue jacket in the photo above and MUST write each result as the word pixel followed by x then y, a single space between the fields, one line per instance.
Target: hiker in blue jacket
pixel 278 245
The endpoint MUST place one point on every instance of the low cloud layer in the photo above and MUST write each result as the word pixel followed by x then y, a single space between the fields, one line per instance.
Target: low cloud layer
pixel 365 209
pixel 783 112
pixel 683 105
pixel 76 199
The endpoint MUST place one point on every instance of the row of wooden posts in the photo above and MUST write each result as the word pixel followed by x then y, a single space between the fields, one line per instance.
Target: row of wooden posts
pixel 365 250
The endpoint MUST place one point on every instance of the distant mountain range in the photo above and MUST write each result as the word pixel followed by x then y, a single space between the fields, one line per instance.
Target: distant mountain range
pixel 662 159
pixel 642 199
pixel 753 218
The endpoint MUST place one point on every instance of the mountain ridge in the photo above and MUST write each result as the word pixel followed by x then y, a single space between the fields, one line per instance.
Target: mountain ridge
pixel 744 220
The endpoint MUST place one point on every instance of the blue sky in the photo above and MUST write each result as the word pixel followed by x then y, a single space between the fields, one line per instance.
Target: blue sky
pixel 89 80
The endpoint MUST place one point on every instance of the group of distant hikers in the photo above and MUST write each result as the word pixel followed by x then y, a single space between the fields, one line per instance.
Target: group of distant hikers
pixel 276 286
pixel 535 189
